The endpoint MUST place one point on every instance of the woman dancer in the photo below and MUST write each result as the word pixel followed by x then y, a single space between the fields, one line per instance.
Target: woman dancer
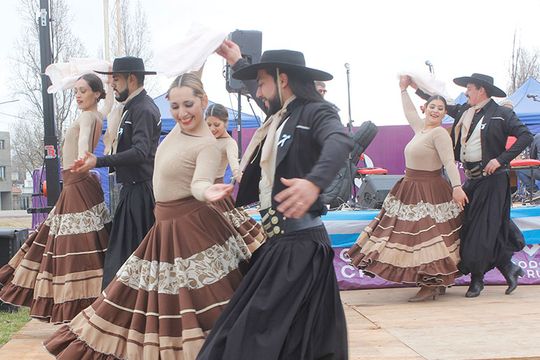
pixel 217 118
pixel 58 270
pixel 415 237
pixel 166 297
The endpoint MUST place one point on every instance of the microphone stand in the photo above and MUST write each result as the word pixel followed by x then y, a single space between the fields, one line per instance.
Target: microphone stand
pixel 349 123
pixel 352 200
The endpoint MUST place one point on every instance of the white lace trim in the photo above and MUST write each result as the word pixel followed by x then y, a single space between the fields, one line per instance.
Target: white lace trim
pixel 199 270
pixel 236 217
pixel 87 221
pixel 440 212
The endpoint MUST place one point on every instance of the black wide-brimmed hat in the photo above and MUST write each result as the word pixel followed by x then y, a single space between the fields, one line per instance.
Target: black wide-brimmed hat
pixel 128 65
pixel 285 60
pixel 485 81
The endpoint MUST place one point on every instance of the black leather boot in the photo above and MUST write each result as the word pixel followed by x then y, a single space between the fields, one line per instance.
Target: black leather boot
pixel 477 285
pixel 511 273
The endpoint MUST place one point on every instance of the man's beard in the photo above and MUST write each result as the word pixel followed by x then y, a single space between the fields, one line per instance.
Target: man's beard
pixel 274 105
pixel 122 96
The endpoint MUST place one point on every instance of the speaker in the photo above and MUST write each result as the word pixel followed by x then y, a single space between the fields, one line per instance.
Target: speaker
pixel 10 242
pixel 374 189
pixel 250 43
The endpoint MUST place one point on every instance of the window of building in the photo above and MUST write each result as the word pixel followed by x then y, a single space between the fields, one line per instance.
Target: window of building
pixel 2 173
pixel 2 144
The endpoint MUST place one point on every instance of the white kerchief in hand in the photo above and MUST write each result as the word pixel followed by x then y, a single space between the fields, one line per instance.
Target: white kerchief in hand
pixel 64 75
pixel 191 52
pixel 429 84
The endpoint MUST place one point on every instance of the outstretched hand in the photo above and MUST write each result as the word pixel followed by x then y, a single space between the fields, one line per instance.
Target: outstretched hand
pixel 86 163
pixel 218 192
pixel 230 51
pixel 297 198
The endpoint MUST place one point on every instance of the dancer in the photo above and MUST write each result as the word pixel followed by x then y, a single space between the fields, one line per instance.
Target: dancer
pixel 288 305
pixel 479 134
pixel 133 155
pixel 58 270
pixel 217 118
pixel 168 294
pixel 415 237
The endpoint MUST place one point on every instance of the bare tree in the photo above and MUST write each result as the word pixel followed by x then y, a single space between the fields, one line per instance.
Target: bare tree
pixel 28 134
pixel 130 35
pixel 525 63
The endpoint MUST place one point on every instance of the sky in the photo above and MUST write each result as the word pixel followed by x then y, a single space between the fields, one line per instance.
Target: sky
pixel 379 39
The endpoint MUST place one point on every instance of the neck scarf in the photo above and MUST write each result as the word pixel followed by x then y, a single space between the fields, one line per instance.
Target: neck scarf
pixel 268 131
pixel 114 120
pixel 465 121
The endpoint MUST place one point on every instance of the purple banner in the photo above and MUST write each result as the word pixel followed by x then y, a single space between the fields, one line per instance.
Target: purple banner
pixel 350 278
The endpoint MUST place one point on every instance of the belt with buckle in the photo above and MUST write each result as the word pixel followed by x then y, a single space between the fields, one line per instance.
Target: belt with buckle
pixel 274 223
pixel 475 170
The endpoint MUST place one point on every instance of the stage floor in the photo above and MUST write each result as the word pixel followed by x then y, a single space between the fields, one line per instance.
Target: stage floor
pixel 384 326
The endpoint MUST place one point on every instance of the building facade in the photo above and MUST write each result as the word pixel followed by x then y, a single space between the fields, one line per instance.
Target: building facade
pixel 6 202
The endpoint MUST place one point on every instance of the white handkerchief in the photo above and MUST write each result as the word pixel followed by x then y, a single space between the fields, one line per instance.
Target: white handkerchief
pixel 64 75
pixel 429 84
pixel 191 52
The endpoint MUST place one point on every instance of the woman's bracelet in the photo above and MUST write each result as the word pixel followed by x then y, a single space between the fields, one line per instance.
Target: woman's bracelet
pixel 455 186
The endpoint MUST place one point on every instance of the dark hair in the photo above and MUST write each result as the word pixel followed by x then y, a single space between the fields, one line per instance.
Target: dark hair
pixel 190 80
pixel 301 87
pixel 219 111
pixel 437 97
pixel 139 77
pixel 95 84
pixel 478 86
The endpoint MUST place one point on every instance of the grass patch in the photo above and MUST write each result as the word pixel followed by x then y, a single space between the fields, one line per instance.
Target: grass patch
pixel 10 323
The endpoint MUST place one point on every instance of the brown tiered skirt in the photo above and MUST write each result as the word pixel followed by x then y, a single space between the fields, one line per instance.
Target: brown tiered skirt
pixel 250 230
pixel 167 295
pixel 415 237
pixel 58 270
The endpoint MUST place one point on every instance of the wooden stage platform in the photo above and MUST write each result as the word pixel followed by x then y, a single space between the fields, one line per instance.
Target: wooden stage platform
pixel 383 325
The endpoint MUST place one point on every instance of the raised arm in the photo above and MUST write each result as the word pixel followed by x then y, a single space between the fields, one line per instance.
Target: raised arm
pixel 408 107
pixel 231 52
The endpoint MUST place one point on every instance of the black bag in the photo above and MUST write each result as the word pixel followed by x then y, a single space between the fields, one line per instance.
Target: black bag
pixel 339 190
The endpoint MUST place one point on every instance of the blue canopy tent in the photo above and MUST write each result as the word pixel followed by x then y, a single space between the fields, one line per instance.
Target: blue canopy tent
pixel 167 123
pixel 526 108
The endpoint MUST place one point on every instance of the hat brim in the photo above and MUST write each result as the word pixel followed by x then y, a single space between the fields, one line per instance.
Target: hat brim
pixel 464 80
pixel 126 72
pixel 250 72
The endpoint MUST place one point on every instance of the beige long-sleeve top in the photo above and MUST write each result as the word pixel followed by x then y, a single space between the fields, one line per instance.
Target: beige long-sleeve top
pixel 429 149
pixel 229 155
pixel 185 165
pixel 81 136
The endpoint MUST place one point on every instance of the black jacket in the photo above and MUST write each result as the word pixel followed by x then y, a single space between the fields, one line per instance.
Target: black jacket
pixel 137 141
pixel 498 122
pixel 315 148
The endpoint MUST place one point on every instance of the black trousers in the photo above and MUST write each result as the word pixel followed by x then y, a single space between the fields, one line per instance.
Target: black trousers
pixel 286 307
pixel 133 217
pixel 488 237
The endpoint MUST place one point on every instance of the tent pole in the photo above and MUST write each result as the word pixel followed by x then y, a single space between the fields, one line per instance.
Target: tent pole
pixel 239 124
